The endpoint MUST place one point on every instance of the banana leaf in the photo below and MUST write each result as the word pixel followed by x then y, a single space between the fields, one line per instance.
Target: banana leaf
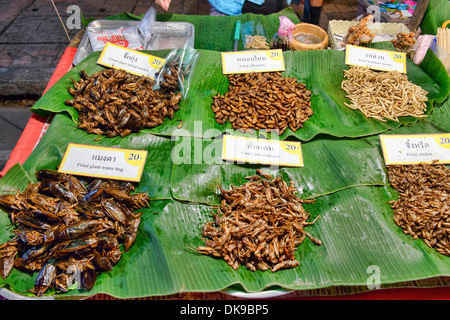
pixel 438 11
pixel 355 226
pixel 360 244
pixel 330 165
pixel 320 70
pixel 441 115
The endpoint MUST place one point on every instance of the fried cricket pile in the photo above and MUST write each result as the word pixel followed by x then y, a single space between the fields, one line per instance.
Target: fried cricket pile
pixel 69 229
pixel 259 225
pixel 114 102
pixel 423 207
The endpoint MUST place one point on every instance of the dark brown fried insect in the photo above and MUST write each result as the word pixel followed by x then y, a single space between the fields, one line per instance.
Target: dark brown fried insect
pixel 8 252
pixel 259 225
pixel 44 280
pixel 69 229
pixel 114 102
pixel 263 101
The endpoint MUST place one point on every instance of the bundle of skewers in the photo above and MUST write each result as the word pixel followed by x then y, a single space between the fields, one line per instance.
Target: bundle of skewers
pixel 443 37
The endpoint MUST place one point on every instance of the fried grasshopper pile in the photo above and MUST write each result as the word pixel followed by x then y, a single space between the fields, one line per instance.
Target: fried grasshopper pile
pixel 259 225
pixel 69 229
pixel 114 102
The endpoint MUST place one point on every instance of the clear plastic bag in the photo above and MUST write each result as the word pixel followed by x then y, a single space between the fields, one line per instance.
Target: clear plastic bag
pixel 186 60
pixel 254 36
pixel 127 37
pixel 145 26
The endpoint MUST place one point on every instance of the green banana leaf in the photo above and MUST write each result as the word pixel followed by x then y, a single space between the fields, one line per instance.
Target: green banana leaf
pixel 355 225
pixel 330 165
pixel 360 244
pixel 438 11
pixel 441 115
pixel 320 70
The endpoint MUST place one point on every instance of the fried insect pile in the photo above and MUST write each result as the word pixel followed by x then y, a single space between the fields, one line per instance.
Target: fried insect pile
pixel 404 41
pixel 69 229
pixel 359 33
pixel 423 207
pixel 259 225
pixel 114 102
pixel 383 94
pixel 264 100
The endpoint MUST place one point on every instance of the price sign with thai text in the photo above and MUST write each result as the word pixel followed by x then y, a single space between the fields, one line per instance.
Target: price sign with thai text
pixel 252 61
pixel 103 162
pixel 416 148
pixel 132 61
pixel 253 150
pixel 375 59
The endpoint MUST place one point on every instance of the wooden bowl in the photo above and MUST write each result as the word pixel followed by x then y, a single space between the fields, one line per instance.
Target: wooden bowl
pixel 309 29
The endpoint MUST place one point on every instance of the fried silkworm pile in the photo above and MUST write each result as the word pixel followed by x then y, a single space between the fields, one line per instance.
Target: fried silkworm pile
pixel 114 102
pixel 259 225
pixel 69 229
pixel 423 207
pixel 383 94
pixel 263 101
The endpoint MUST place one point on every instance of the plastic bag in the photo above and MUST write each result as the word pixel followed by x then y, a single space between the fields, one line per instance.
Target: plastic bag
pixel 360 33
pixel 283 38
pixel 441 54
pixel 146 24
pixel 253 35
pixel 123 36
pixel 441 45
pixel 186 59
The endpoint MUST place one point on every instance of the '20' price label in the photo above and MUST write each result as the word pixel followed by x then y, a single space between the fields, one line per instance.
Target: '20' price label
pixel 133 156
pixel 443 140
pixel 292 147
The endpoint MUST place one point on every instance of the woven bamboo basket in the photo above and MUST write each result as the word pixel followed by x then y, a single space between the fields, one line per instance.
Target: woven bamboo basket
pixel 309 29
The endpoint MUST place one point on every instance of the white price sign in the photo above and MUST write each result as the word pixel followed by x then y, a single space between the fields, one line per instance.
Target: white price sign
pixel 132 61
pixel 103 162
pixel 416 148
pixel 375 59
pixel 252 61
pixel 253 150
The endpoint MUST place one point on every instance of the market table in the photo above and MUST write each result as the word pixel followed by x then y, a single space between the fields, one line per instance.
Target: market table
pixel 424 289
